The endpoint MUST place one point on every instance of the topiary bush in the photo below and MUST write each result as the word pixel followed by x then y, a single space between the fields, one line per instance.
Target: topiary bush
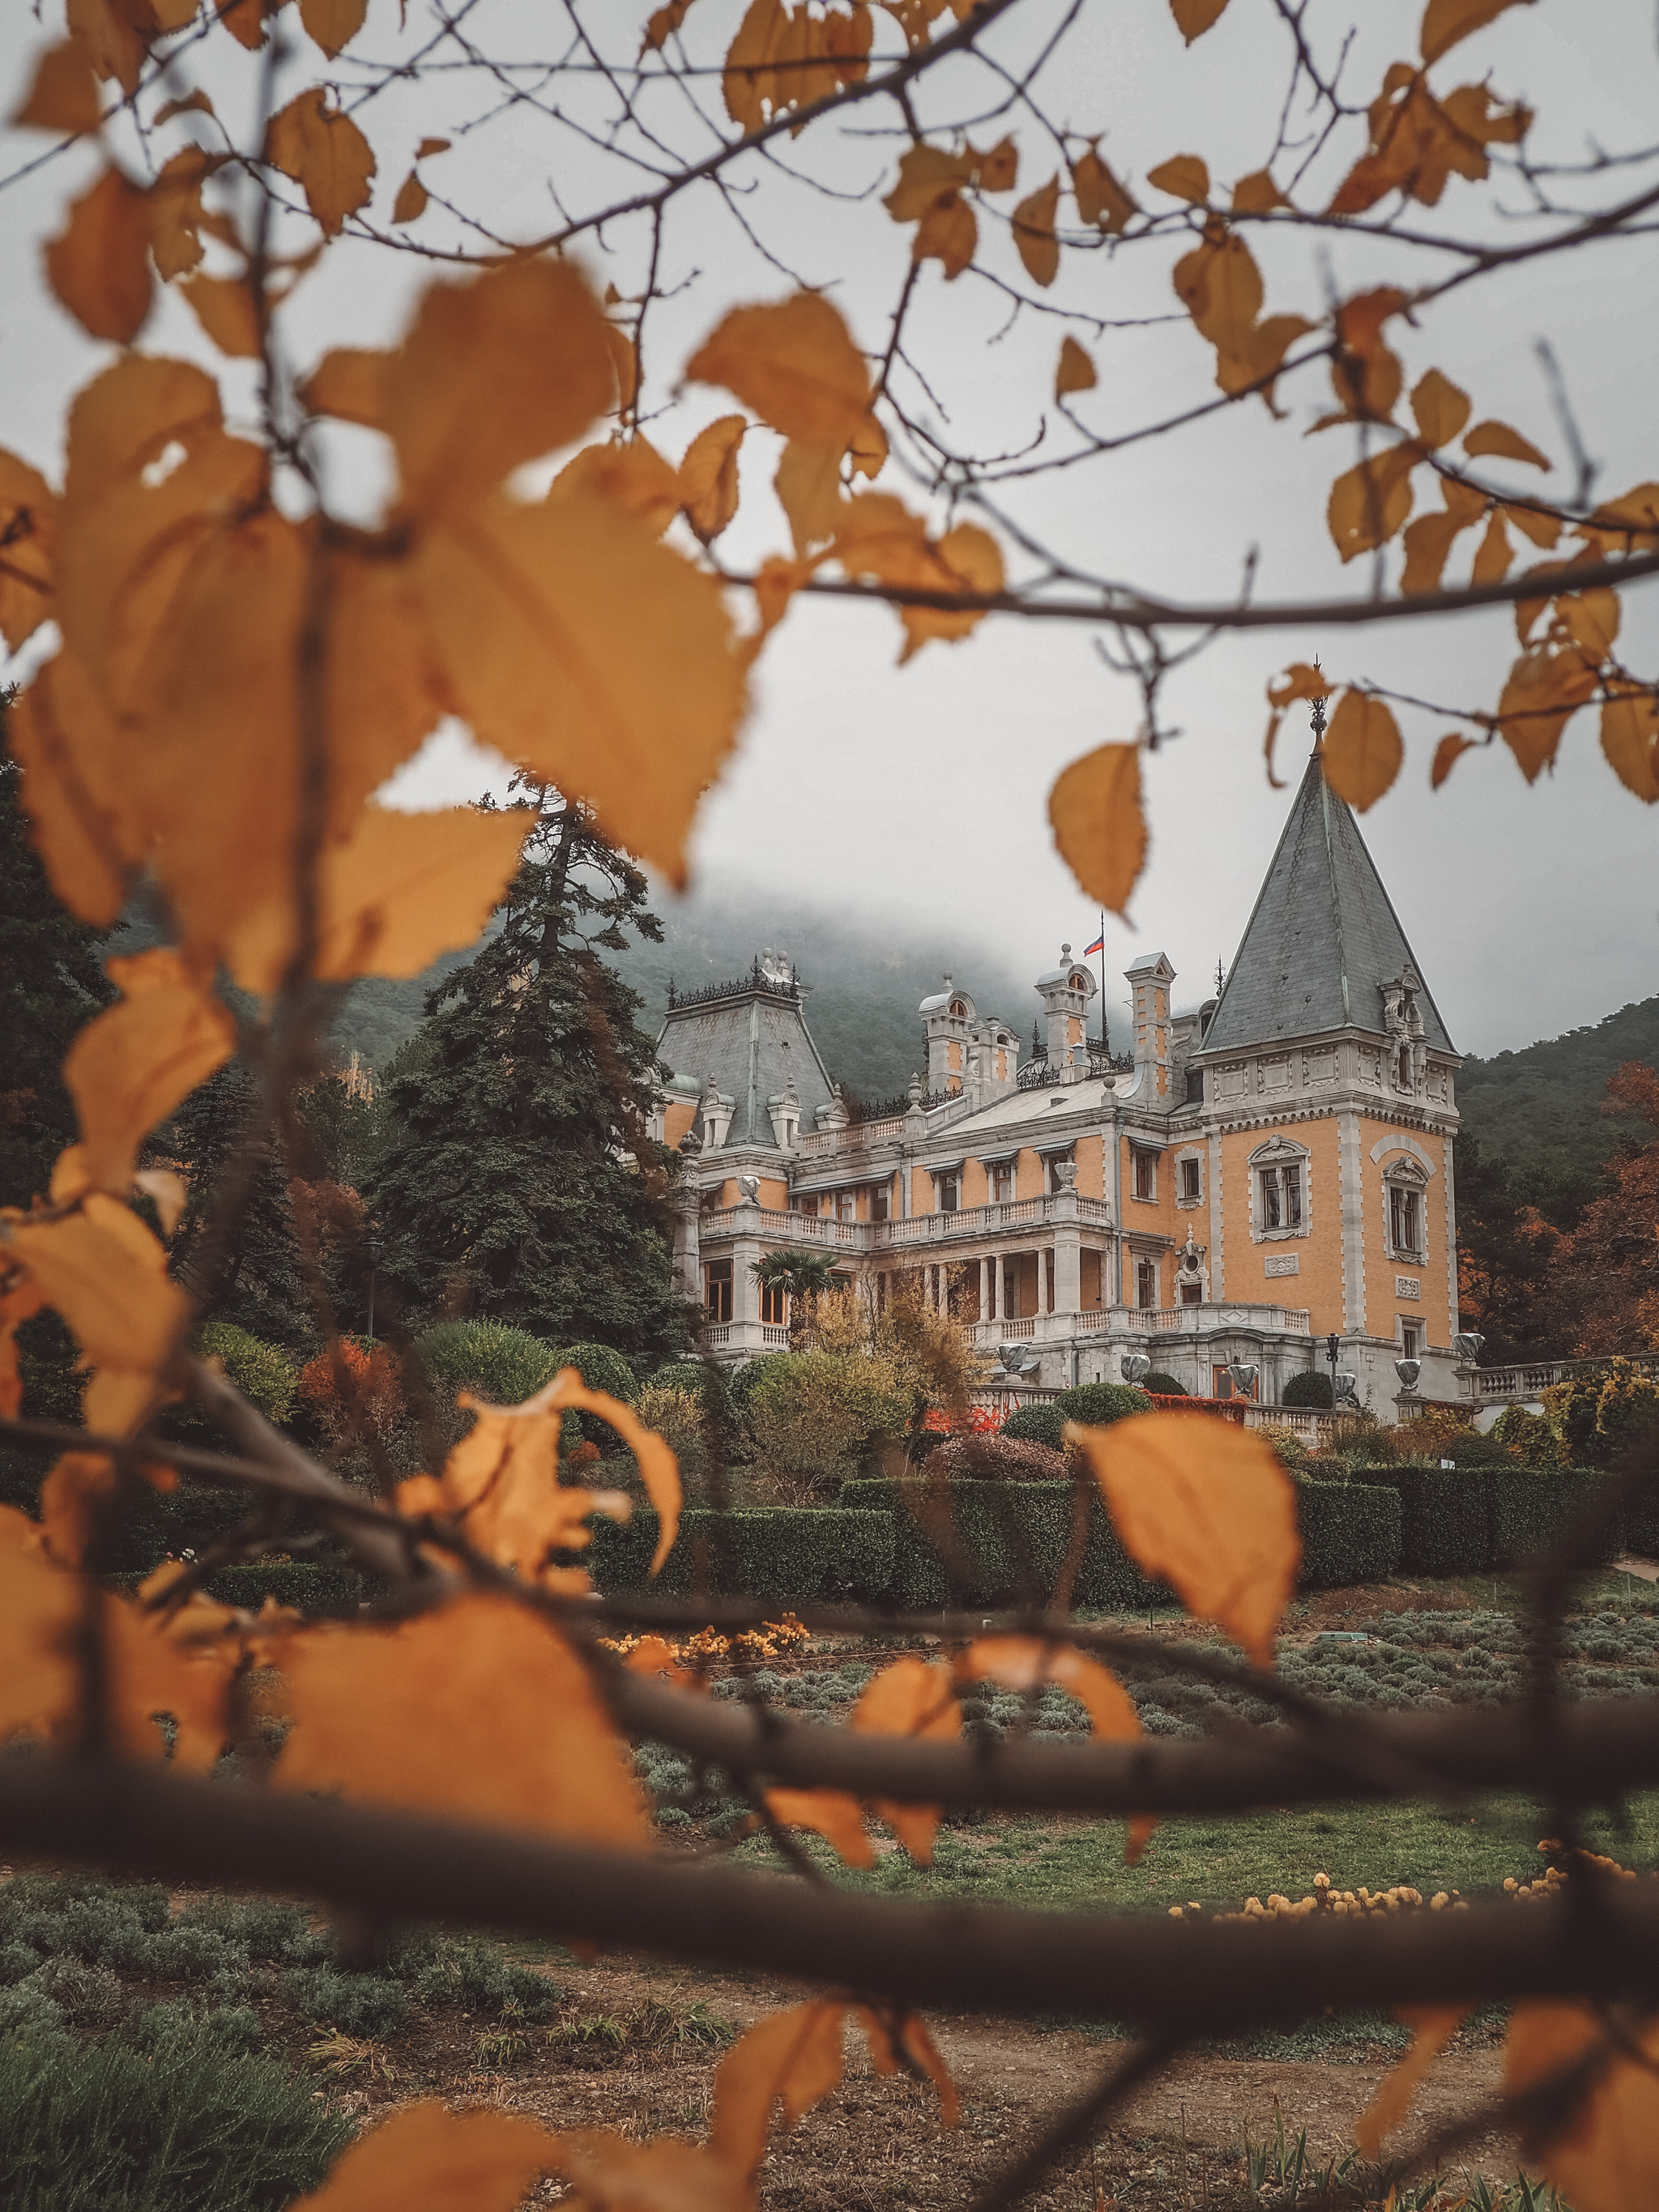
pixel 1036 1424
pixel 1311 1388
pixel 1095 1404
pixel 601 1368
pixel 1160 1385
pixel 1528 1438
pixel 316 1588
pixel 506 1365
pixel 997 1458
pixel 261 1371
pixel 815 1416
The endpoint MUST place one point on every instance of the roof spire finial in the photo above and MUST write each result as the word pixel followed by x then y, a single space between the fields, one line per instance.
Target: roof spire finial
pixel 1318 716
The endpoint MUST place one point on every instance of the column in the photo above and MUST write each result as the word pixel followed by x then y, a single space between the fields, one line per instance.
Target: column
pixel 1067 1253
pixel 984 1289
pixel 687 1264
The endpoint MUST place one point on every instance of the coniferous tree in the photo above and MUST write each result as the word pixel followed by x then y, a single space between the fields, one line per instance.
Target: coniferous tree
pixel 246 1270
pixel 517 1182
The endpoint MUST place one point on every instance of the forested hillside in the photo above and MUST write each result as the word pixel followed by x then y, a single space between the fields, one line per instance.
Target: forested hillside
pixel 1540 1109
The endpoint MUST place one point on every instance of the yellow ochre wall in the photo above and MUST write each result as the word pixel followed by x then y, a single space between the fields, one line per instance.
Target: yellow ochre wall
pixel 774 1193
pixel 1318 1286
pixel 677 1116
pixel 1091 1157
pixel 921 1191
pixel 974 1184
pixel 1381 1304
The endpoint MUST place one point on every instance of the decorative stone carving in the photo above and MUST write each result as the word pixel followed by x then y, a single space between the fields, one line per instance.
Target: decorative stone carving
pixel 1407 1286
pixel 1283 1263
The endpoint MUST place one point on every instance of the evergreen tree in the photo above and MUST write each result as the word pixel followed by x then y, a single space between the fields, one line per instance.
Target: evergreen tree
pixel 248 1273
pixel 52 983
pixel 516 1181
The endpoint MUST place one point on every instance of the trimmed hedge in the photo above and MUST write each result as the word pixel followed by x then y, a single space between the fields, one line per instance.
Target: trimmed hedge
pixel 1468 1519
pixel 308 1585
pixel 1095 1404
pixel 1157 1384
pixel 1041 1424
pixel 786 1553
pixel 503 1363
pixel 1351 1533
pixel 1529 1507
pixel 1003 1539
pixel 1309 1388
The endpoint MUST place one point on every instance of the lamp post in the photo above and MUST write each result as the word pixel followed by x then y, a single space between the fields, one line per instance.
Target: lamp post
pixel 1332 1352
pixel 374 1246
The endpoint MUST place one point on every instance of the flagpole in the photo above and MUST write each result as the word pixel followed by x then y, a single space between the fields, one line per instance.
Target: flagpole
pixel 1105 1046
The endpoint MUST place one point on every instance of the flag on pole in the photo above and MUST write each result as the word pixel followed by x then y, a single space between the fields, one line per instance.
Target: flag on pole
pixel 1099 946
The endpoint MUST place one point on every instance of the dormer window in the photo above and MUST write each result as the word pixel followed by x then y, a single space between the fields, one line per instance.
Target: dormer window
pixel 959 1008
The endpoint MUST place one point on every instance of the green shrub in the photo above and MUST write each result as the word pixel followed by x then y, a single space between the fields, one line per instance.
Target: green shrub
pixel 91 1996
pixel 1095 1404
pixel 601 1368
pixel 261 1371
pixel 702 1380
pixel 1159 1385
pixel 1527 1436
pixel 1310 1388
pixel 1443 1516
pixel 1000 1540
pixel 1351 1533
pixel 356 2004
pixel 1036 1424
pixel 677 1417
pixel 311 1587
pixel 1627 1410
pixel 740 1383
pixel 1288 1449
pixel 469 1971
pixel 265 1928
pixel 1471 1448
pixel 504 1364
pixel 1528 1507
pixel 815 1415
pixel 187 2126
pixel 997 1458
pixel 787 1554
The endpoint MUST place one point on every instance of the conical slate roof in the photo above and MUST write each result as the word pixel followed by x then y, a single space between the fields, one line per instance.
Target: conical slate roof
pixel 1322 939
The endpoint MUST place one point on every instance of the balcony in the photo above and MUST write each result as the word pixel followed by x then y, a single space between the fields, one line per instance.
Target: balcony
pixel 900 1235
pixel 1514 1385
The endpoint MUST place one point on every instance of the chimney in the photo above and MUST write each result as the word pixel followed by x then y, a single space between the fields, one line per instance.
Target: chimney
pixel 1149 982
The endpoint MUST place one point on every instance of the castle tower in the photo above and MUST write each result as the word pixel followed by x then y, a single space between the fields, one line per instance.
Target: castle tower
pixel 948 1019
pixel 1066 992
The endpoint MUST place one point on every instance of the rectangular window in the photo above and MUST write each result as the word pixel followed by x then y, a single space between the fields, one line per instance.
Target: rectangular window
pixel 846 1205
pixel 1189 1173
pixel 1292 1179
pixel 948 1191
pixel 1411 1340
pixel 1192 1294
pixel 880 1195
pixel 1002 1183
pixel 1145 1185
pixel 1145 1284
pixel 775 1305
pixel 1404 1219
pixel 717 1290
pixel 1271 1214
pixel 809 1206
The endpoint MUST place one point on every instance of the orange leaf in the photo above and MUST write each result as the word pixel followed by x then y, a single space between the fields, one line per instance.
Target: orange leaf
pixel 1446 755
pixel 1604 2153
pixel 968 559
pixel 1221 287
pixel 479 1709
pixel 28 528
pixel 98 264
pixel 1300 682
pixel 175 212
pixel 708 476
pixel 1370 502
pixel 428 146
pixel 224 307
pixel 410 202
pixel 1446 21
pixel 659 1469
pixel 1508 445
pixel 424 2159
pixel 794 364
pixel 348 384
pixel 1034 232
pixel 1543 689
pixel 904 2042
pixel 831 1814
pixel 609 2172
pixel 63 96
pixel 1184 176
pixel 1591 620
pixel 131 1065
pixel 1433 2027
pixel 114 35
pixel 1194 17
pixel 1494 554
pixel 1100 198
pixel 107 1276
pixel 794 2057
pixel 1257 194
pixel 1094 811
pixel 775 584
pixel 74 820
pixel 246 20
pixel 867 454
pixel 333 23
pixel 1441 409
pixel 635 476
pixel 927 175
pixel 1207 1506
pixel 19 1303
pixel 1428 542
pixel 997 171
pixel 947 233
pixel 1076 371
pixel 1366 374
pixel 493 374
pixel 1024 1663
pixel 324 153
pixel 911 1697
pixel 1630 738
pixel 808 486
pixel 1361 751
pixel 1542 529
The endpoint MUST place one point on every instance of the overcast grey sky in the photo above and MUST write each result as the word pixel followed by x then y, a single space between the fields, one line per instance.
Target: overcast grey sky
pixel 879 790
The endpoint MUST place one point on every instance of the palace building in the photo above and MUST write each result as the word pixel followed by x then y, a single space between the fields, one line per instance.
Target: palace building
pixel 1246 1183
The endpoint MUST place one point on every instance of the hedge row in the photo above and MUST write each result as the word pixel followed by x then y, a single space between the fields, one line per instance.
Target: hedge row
pixel 986 1542
pixel 788 1554
pixel 1473 1519
pixel 1350 1533
pixel 309 1586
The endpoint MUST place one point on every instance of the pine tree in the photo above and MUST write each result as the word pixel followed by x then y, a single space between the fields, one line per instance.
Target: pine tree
pixel 517 1182
pixel 51 982
pixel 248 1272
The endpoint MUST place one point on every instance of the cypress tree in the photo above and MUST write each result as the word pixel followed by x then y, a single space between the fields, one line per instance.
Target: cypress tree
pixel 517 1182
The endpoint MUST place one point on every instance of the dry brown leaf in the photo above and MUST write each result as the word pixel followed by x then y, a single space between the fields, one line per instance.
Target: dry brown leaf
pixel 1441 409
pixel 911 1697
pixel 182 1663
pixel 662 24
pixel 1432 2028
pixel 133 1063
pixel 175 212
pixel 783 58
pixel 1100 198
pixel 947 233
pixel 1541 529
pixel 224 306
pixel 195 102
pixel 1257 194
pixel 410 202
pixel 1498 438
pixel 1221 287
pixel 1447 754
pixel 425 2159
pixel 479 1709
pixel 1446 21
pixel 1207 1506
pixel 831 1814
pixel 324 153
pixel 1076 371
pixel 708 476
pixel 64 95
pixel 1543 689
pixel 1034 232
pixel 1370 502
pixel 658 1468
pixel 493 374
pixel 1494 554
pixel 966 559
pixel 775 584
pixel 635 476
pixel 1630 738
pixel 610 2172
pixel 246 20
pixel 808 486
pixel 75 823
pixel 1183 176
pixel 28 531
pixel 430 146
pixel 1194 17
pixel 399 890
pixel 1025 1663
pixel 902 2044
pixel 1365 373
pixel 1300 681
pixel 927 175
pixel 105 1274
pixel 114 35
pixel 348 384
pixel 997 171
pixel 1361 752
pixel 1605 2156
pixel 19 1302
pixel 99 263
pixel 333 23
pixel 601 660
pixel 793 363
pixel 794 2057
pixel 1095 811
pixel 1428 543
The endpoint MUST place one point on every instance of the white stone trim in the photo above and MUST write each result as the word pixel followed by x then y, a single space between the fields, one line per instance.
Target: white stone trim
pixel 1399 1142
pixel 1280 1150
pixel 1217 1237
pixel 1187 1152
pixel 1353 1227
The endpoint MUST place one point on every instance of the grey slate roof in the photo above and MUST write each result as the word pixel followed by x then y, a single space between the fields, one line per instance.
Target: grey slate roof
pixel 751 1043
pixel 1321 941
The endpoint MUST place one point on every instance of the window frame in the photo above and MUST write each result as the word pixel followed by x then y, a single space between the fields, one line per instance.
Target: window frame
pixel 718 1291
pixel 1281 1191
pixel 1406 1182
pixel 1189 1169
pixel 1143 1158
pixel 775 1305
pixel 1145 1270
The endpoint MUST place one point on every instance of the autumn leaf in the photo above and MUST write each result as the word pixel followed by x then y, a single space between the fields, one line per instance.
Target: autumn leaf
pixel 1446 21
pixel 1095 811
pixel 783 57
pixel 1257 194
pixel 72 802
pixel 105 1274
pixel 98 264
pixel 947 233
pixel 491 374
pixel 28 530
pixel 476 1709
pixel 1361 751
pixel 1207 1506
pixel 1604 2155
pixel 425 2159
pixel 635 476
pixel 658 1468
pixel 133 1063
pixel 1439 408
pixel 997 171
pixel 1498 438
pixel 1221 287
pixel 1494 553
pixel 662 24
pixel 1076 371
pixel 1034 232
pixel 175 212
pixel 831 1814
pixel 900 2042
pixel 1432 2028
pixel 794 364
pixel 64 95
pixel 1428 542
pixel 927 175
pixel 348 384
pixel 968 559
pixel 322 150
pixel 792 2058
pixel 1447 754
pixel 114 36
pixel 1630 737
pixel 1025 1663
pixel 1184 176
pixel 1370 502
pixel 1100 198
pixel 19 1301
pixel 1543 689
pixel 708 476
pixel 333 23
pixel 911 1697
pixel 410 202
pixel 808 486
pixel 1194 17
pixel 224 306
